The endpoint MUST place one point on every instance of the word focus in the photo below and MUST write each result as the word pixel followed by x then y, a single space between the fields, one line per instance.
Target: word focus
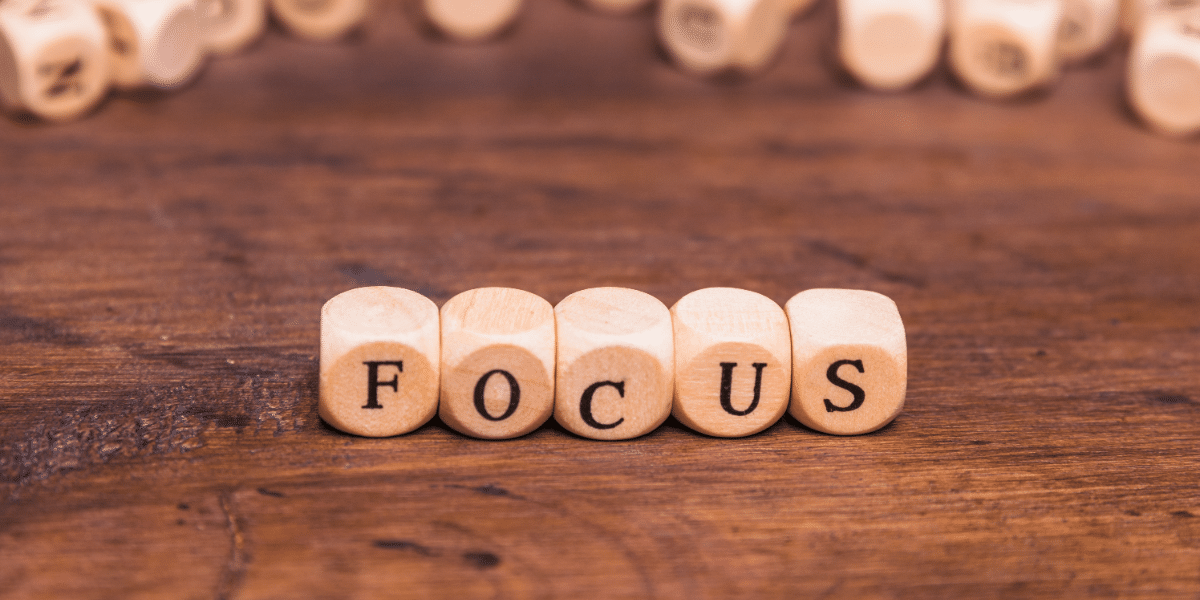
pixel 610 363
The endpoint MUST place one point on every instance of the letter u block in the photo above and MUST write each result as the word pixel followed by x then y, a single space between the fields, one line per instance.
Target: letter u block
pixel 849 360
pixel 733 361
pixel 380 361
pixel 497 363
pixel 615 363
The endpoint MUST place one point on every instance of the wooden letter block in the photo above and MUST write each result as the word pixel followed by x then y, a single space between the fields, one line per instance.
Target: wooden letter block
pixel 1001 48
pixel 470 20
pixel 890 44
pixel 320 20
pixel 849 360
pixel 380 359
pixel 497 363
pixel 615 363
pixel 710 36
pixel 155 42
pixel 616 7
pixel 1163 82
pixel 53 58
pixel 230 25
pixel 1088 26
pixel 1133 13
pixel 733 361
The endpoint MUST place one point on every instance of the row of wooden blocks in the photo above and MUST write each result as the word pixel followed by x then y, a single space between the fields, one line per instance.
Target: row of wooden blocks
pixel 610 363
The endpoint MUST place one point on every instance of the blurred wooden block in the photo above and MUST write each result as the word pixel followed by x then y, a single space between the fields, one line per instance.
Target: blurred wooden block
pixel 380 361
pixel 733 361
pixel 615 363
pixel 498 351
pixel 710 36
pixel 1163 81
pixel 320 20
pixel 471 20
pixel 849 360
pixel 616 7
pixel 152 42
pixel 1133 13
pixel 230 25
pixel 890 44
pixel 53 58
pixel 1088 27
pixel 1001 48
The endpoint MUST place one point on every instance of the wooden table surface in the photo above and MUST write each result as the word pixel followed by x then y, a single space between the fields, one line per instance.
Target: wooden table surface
pixel 163 263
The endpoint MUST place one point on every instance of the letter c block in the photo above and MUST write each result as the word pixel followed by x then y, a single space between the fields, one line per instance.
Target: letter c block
pixel 849 360
pixel 380 361
pixel 615 363
pixel 497 363
pixel 733 361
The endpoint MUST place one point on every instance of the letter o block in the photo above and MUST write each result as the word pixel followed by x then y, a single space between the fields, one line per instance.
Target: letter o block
pixel 615 363
pixel 380 361
pixel 497 363
pixel 156 42
pixel 849 360
pixel 1001 48
pixel 320 20
pixel 230 25
pixel 733 361
pixel 710 36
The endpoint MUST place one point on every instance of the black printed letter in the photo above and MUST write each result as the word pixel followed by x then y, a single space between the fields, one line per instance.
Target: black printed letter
pixel 727 385
pixel 585 404
pixel 373 382
pixel 514 395
pixel 858 392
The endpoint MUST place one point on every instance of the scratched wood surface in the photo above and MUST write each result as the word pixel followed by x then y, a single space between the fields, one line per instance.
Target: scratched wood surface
pixel 163 262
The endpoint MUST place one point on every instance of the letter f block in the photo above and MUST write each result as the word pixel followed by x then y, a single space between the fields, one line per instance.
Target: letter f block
pixel 849 360
pixel 615 363
pixel 733 361
pixel 380 361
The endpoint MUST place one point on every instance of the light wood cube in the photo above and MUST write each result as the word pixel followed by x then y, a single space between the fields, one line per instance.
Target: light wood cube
pixel 230 25
pixel 1001 48
pixel 152 42
pixel 616 7
pixel 615 363
pixel 1163 81
pixel 849 360
pixel 890 44
pixel 711 36
pixel 53 58
pixel 320 20
pixel 498 349
pixel 380 361
pixel 1133 13
pixel 1088 26
pixel 471 20
pixel 733 361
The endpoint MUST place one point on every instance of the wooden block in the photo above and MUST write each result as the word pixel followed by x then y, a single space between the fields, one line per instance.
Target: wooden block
pixel 616 7
pixel 1133 13
pixel 497 363
pixel 470 20
pixel 53 58
pixel 1001 48
pixel 890 44
pixel 1163 80
pixel 710 36
pixel 380 361
pixel 320 20
pixel 615 363
pixel 849 360
pixel 152 42
pixel 1088 26
pixel 230 25
pixel 733 361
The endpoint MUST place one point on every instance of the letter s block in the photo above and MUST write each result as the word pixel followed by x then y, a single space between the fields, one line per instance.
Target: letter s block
pixel 380 361
pixel 615 363
pixel 497 363
pixel 849 360
pixel 733 361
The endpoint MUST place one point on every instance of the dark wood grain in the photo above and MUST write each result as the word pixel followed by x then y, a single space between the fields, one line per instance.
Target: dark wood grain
pixel 163 262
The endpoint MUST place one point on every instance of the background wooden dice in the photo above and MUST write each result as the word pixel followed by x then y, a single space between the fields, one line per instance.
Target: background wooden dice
pixel 230 25
pixel 615 363
pixel 1163 81
pixel 616 7
pixel 708 36
pixel 470 20
pixel 380 361
pixel 890 44
pixel 320 20
pixel 498 350
pixel 1087 27
pixel 1001 48
pixel 733 363
pixel 849 360
pixel 155 42
pixel 53 58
